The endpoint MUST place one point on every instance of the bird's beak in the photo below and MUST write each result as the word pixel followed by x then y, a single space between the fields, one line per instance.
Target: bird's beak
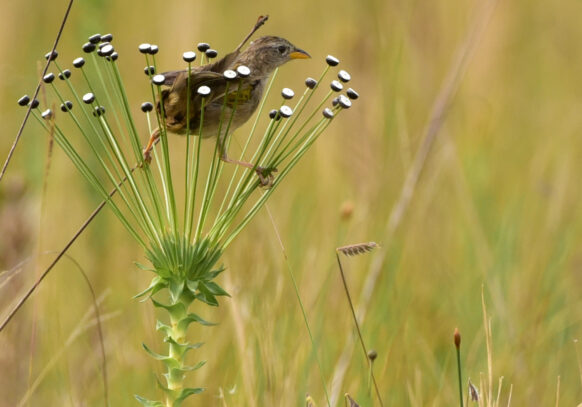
pixel 299 54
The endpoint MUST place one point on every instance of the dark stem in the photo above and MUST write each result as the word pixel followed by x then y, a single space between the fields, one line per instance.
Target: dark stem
pixel 358 327
pixel 460 377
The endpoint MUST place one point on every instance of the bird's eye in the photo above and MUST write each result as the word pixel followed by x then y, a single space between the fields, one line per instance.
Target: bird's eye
pixel 282 49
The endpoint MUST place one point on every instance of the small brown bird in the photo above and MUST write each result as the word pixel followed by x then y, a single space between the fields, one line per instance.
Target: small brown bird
pixel 261 57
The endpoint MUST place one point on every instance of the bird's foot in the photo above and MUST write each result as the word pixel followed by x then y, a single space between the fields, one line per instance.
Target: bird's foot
pixel 266 176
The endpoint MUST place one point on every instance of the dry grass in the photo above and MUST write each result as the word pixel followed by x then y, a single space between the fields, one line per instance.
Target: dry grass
pixel 495 206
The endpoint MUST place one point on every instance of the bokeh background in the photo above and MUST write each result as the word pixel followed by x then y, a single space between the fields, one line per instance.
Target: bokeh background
pixel 496 210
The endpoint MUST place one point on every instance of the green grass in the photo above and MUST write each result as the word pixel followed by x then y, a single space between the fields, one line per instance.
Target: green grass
pixel 496 206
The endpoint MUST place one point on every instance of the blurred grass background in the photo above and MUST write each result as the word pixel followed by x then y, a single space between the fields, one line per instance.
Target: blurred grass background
pixel 496 206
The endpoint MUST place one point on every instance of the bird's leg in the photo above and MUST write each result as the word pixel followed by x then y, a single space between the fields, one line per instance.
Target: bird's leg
pixel 265 175
pixel 260 21
pixel 147 151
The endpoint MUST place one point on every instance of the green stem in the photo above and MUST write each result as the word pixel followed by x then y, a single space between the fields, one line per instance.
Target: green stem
pixel 460 377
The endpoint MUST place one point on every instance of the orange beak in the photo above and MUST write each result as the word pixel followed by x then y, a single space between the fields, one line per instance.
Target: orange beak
pixel 299 54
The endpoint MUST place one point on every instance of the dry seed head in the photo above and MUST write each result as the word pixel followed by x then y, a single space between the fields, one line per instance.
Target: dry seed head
pixel 65 74
pixel 372 355
pixel 473 392
pixel 78 62
pixel 153 49
pixel 52 55
pixel 95 38
pixel 189 56
pixel 47 114
pixel 89 47
pixel 23 101
pixel 355 249
pixel 48 78
pixel 159 79
pixel 88 98
pixel 144 48
pixel 147 107
pixel 457 338
pixel 203 46
pixel 203 90
pixel 229 75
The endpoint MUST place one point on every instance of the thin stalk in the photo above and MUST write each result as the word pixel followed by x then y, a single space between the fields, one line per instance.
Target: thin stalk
pixel 357 324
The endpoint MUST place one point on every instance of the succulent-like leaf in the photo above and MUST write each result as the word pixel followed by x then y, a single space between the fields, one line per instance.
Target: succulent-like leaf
pixel 185 322
pixel 156 285
pixel 177 311
pixel 215 289
pixel 206 297
pixel 176 287
pixel 148 403
pixel 153 354
pixel 186 393
pixel 192 285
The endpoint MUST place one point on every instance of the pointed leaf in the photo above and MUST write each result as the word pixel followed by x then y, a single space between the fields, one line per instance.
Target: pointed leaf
pixel 187 346
pixel 148 403
pixel 213 274
pixel 143 267
pixel 192 286
pixel 207 298
pixel 185 322
pixel 177 311
pixel 156 285
pixel 153 354
pixel 166 329
pixel 188 392
pixel 195 367
pixel 215 288
pixel 176 288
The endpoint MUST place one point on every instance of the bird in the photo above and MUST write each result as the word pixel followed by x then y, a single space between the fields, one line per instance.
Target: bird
pixel 228 102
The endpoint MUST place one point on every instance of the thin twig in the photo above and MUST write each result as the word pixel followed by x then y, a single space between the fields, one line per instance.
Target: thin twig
pixel 27 115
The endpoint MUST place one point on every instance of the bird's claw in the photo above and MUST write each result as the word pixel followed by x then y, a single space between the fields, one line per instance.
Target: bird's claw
pixel 147 157
pixel 266 176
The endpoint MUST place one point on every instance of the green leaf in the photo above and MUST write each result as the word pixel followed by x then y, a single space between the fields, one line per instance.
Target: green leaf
pixel 192 285
pixel 187 392
pixel 177 311
pixel 143 267
pixel 148 403
pixel 153 354
pixel 176 288
pixel 166 329
pixel 207 298
pixel 215 288
pixel 192 368
pixel 213 274
pixel 185 322
pixel 156 285
pixel 184 346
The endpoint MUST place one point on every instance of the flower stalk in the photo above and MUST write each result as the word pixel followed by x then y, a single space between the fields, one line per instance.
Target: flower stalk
pixel 183 239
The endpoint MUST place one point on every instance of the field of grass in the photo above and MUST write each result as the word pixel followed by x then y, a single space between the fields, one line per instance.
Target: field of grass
pixel 459 160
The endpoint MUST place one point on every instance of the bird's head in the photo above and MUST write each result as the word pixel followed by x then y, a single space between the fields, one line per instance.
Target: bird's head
pixel 267 53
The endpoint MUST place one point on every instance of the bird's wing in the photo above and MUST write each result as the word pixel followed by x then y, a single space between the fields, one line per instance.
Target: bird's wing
pixel 175 98
pixel 226 62
pixel 170 76
pixel 219 66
